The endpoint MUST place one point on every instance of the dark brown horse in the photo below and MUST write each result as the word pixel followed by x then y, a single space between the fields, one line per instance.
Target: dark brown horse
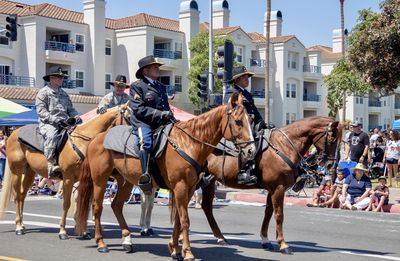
pixel 23 164
pixel 275 175
pixel 196 137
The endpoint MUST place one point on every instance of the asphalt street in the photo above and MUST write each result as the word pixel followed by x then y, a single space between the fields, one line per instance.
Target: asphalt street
pixel 313 234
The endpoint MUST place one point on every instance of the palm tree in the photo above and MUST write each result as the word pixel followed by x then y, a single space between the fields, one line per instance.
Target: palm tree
pixel 267 87
pixel 343 53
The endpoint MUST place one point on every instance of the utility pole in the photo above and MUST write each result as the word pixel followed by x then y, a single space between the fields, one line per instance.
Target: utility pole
pixel 267 87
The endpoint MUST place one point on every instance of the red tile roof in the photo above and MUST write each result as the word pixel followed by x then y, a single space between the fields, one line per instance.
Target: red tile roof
pixel 27 93
pixel 326 52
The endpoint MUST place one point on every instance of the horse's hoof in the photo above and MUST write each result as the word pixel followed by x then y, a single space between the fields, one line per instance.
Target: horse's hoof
pixel 222 242
pixel 128 247
pixel 20 232
pixel 63 236
pixel 144 233
pixel 179 257
pixel 150 232
pixel 86 235
pixel 268 246
pixel 103 249
pixel 190 259
pixel 286 251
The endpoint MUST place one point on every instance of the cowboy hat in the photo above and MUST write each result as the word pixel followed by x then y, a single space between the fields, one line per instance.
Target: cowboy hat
pixel 355 124
pixel 54 71
pixel 143 63
pixel 238 72
pixel 360 166
pixel 120 80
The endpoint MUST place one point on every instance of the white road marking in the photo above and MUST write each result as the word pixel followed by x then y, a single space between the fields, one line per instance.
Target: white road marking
pixel 169 231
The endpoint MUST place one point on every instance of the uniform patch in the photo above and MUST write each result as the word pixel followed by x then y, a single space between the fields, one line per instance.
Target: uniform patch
pixel 136 96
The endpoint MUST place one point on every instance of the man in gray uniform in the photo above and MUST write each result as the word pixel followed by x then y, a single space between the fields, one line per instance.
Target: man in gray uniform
pixel 55 110
pixel 115 98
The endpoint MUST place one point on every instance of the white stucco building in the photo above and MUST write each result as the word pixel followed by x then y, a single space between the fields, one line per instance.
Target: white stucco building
pixel 93 49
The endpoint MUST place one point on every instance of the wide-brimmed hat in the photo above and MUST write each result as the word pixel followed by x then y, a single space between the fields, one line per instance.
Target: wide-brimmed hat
pixel 143 63
pixel 382 177
pixel 54 71
pixel 238 72
pixel 360 166
pixel 120 79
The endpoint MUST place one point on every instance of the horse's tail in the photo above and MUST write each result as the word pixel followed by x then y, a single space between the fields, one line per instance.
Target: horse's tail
pixel 85 193
pixel 6 191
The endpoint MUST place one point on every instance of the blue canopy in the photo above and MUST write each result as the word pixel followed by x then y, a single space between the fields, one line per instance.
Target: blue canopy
pixel 20 119
pixel 396 124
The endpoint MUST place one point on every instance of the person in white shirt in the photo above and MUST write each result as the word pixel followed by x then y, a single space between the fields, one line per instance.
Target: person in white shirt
pixel 392 154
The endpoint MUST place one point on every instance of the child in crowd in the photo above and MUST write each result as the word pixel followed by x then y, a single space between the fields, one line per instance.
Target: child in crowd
pixel 323 193
pixel 336 190
pixel 379 196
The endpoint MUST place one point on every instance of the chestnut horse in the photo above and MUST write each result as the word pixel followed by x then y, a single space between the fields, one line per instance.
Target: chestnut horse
pixel 23 164
pixel 275 175
pixel 197 137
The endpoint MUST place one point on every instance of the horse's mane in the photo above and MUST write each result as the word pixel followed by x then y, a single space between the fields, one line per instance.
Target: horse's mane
pixel 309 122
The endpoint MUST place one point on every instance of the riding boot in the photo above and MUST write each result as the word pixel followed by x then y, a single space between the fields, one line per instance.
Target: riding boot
pixel 245 176
pixel 53 170
pixel 145 178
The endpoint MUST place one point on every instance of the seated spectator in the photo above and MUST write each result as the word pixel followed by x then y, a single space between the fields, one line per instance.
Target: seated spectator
pixel 323 193
pixel 379 196
pixel 356 188
pixel 336 190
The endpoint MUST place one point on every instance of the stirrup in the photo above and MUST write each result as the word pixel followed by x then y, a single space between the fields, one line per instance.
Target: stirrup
pixel 145 183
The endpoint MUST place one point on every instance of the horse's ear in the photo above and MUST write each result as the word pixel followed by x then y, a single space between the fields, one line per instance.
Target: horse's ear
pixel 334 124
pixel 233 100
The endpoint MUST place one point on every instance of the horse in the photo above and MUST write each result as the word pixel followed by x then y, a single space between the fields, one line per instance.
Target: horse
pixel 23 164
pixel 275 173
pixel 196 137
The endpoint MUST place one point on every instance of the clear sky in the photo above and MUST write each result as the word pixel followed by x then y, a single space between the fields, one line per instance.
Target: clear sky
pixel 312 21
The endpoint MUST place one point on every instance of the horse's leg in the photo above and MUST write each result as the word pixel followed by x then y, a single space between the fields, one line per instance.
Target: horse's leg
pixel 68 186
pixel 264 227
pixel 173 244
pixel 16 181
pixel 277 201
pixel 117 205
pixel 27 180
pixel 149 211
pixel 207 203
pixel 99 188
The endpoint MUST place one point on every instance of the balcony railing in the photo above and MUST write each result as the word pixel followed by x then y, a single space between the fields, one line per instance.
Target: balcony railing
pixel 163 53
pixel 312 97
pixel 257 62
pixel 59 46
pixel 311 68
pixel 17 80
pixel 258 94
pixel 374 103
pixel 67 84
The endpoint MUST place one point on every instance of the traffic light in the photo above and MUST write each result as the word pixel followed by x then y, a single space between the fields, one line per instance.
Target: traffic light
pixel 225 61
pixel 203 86
pixel 11 27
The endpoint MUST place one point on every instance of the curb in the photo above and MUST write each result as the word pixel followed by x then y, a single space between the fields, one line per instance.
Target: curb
pixel 289 201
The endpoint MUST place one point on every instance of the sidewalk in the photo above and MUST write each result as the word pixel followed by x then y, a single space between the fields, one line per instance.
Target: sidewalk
pixel 293 199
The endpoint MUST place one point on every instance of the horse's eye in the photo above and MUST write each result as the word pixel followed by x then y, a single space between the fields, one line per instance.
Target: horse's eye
pixel 238 122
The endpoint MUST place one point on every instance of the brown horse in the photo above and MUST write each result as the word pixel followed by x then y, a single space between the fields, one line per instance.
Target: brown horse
pixel 197 137
pixel 275 175
pixel 23 164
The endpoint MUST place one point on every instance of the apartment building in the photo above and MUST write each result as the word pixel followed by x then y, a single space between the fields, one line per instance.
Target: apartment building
pixel 93 49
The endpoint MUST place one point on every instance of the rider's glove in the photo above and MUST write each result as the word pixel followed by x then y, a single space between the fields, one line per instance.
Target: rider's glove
pixel 101 110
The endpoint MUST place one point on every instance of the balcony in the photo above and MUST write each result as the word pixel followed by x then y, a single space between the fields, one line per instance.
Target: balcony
pixel 258 94
pixel 59 46
pixel 7 79
pixel 312 97
pixel 311 68
pixel 163 53
pixel 374 103
pixel 257 63
pixel 67 84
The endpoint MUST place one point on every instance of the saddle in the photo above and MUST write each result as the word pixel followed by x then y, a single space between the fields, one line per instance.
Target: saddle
pixel 30 136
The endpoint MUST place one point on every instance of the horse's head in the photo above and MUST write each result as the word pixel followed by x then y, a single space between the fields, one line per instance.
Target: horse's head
pixel 327 143
pixel 238 128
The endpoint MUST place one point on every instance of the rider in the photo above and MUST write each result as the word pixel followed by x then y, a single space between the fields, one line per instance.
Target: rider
pixel 115 98
pixel 150 110
pixel 239 82
pixel 55 110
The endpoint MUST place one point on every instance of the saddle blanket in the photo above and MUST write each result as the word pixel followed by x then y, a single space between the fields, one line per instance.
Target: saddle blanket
pixel 122 139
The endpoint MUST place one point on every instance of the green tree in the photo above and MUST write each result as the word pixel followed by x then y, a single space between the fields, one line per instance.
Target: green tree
pixel 199 63
pixel 343 81
pixel 375 47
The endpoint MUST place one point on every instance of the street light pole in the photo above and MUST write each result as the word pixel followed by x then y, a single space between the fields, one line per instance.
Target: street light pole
pixel 210 50
pixel 267 87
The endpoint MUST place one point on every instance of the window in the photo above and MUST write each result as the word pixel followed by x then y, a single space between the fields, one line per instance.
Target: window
pixel 108 46
pixel 293 59
pixel 287 118
pixel 108 80
pixel 178 47
pixel 162 46
pixel 239 54
pixel 3 39
pixel 178 83
pixel 288 90
pixel 80 43
pixel 292 117
pixel 79 77
pixel 291 90
pixel 294 90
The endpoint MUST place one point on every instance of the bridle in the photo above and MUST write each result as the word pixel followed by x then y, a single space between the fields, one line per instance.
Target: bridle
pixel 323 156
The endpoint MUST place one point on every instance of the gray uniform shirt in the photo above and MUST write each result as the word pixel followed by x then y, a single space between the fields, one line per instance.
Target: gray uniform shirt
pixel 54 106
pixel 111 100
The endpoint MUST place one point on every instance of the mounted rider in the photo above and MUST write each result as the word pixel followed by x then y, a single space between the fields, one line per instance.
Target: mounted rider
pixel 150 109
pixel 116 97
pixel 239 82
pixel 55 111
